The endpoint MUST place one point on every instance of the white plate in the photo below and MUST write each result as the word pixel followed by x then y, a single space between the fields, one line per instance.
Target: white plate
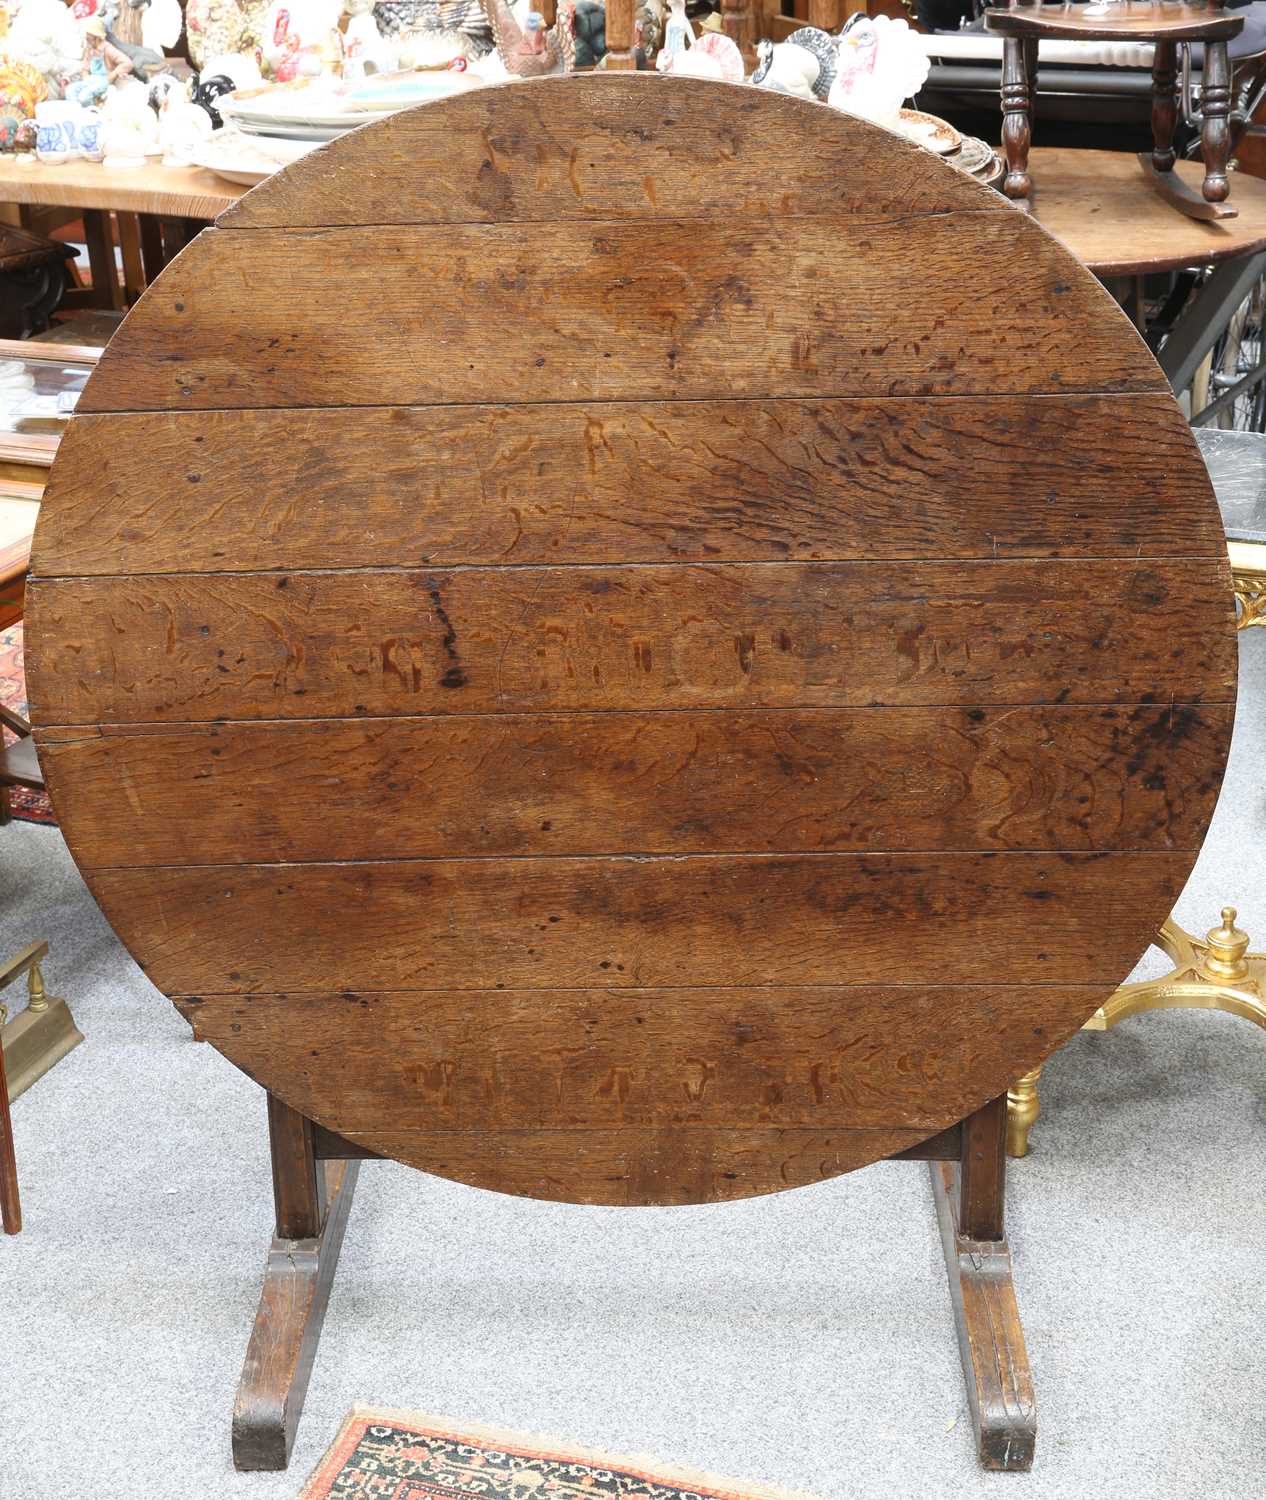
pixel 237 160
pixel 310 133
pixel 336 109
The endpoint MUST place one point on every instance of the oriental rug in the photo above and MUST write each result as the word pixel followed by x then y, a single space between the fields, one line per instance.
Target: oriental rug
pixel 25 805
pixel 400 1455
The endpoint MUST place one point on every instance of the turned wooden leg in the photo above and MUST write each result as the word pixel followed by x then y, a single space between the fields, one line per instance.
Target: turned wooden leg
pixel 1164 106
pixel 1017 129
pixel 1215 137
pixel 1023 1108
pixel 970 1196
pixel 313 1200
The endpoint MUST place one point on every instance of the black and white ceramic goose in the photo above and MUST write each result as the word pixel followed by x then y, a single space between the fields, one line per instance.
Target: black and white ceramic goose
pixel 825 47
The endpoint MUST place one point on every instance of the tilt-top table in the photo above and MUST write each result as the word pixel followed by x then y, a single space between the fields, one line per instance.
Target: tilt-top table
pixel 678 708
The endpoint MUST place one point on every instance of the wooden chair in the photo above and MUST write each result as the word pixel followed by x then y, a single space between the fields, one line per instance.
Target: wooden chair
pixel 1022 23
pixel 19 764
pixel 676 711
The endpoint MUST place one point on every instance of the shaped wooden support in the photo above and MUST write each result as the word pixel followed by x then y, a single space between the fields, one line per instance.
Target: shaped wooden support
pixel 969 1197
pixel 313 1200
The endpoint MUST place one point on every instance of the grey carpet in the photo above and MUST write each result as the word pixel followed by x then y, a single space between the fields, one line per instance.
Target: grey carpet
pixel 803 1339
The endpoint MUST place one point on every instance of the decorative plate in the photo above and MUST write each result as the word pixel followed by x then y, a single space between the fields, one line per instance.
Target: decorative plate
pixel 930 131
pixel 973 156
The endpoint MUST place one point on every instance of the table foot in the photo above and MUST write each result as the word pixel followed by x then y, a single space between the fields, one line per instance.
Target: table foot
pixel 297 1281
pixel 990 1336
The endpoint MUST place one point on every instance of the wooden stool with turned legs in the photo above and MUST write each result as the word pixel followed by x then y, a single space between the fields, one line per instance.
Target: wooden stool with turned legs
pixel 1023 23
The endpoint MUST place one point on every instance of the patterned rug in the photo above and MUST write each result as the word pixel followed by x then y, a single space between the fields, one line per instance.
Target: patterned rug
pixel 400 1455
pixel 30 807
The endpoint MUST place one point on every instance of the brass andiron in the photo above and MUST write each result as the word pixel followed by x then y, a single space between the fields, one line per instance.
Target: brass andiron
pixel 43 1033
pixel 1216 974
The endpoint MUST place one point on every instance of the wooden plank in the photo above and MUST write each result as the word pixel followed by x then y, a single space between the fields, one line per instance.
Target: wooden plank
pixel 617 310
pixel 640 783
pixel 765 635
pixel 828 1057
pixel 595 146
pixel 644 482
pixel 635 1166
pixel 717 920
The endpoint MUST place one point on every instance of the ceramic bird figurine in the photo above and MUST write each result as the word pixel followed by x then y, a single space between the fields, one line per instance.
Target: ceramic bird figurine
pixel 786 69
pixel 530 51
pixel 825 48
pixel 881 65
pixel 421 20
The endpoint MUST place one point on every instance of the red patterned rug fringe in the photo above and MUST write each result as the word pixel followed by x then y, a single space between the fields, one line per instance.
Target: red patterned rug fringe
pixel 412 1456
pixel 26 806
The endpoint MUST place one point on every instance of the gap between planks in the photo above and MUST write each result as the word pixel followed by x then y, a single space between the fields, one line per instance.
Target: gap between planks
pixel 649 989
pixel 119 728
pixel 1126 559
pixel 631 221
pixel 647 857
pixel 1162 388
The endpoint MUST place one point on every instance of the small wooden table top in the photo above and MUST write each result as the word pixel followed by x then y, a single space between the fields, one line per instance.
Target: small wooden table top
pixel 173 192
pixel 1103 208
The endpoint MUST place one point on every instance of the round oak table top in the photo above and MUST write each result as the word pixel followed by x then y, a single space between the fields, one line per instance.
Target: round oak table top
pixel 1102 207
pixel 603 683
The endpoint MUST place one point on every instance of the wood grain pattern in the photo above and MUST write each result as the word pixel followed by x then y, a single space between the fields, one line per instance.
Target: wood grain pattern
pixel 1107 212
pixel 708 481
pixel 182 192
pixel 833 1058
pixel 637 1166
pixel 990 1335
pixel 682 783
pixel 298 1277
pixel 740 573
pixel 1177 23
pixel 704 920
pixel 237 646
pixel 736 307
pixel 598 146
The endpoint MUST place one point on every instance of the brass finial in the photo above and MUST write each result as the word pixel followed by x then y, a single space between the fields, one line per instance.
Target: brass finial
pixel 35 989
pixel 1227 946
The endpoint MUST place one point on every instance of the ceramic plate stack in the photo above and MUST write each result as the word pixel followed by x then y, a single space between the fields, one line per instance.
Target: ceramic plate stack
pixel 978 159
pixel 270 127
pixel 969 155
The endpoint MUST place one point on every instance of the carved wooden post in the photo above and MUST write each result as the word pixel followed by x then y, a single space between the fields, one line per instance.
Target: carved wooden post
pixel 828 14
pixel 1215 137
pixel 738 22
pixel 1017 130
pixel 1164 104
pixel 620 35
